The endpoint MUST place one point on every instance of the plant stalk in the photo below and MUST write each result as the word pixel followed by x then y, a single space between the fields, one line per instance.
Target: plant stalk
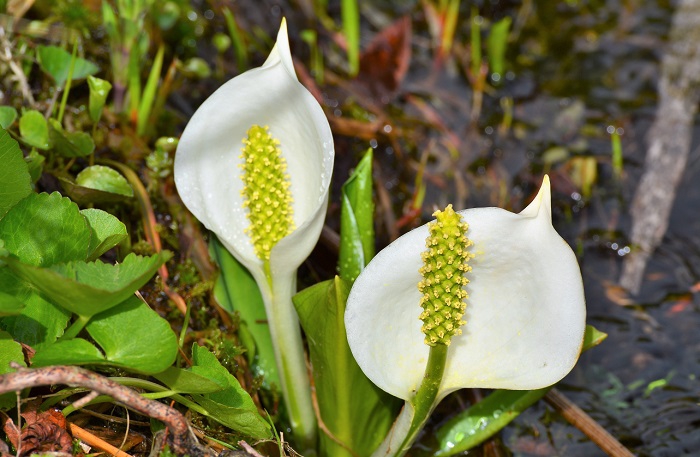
pixel 416 412
pixel 289 355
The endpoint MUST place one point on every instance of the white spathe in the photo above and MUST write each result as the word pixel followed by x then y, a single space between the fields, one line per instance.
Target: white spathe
pixel 207 173
pixel 525 313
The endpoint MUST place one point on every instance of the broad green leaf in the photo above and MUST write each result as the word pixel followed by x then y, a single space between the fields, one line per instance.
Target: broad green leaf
pixel 107 231
pixel 231 407
pixel 76 351
pixel 35 163
pixel 357 220
pixel 10 351
pixel 8 114
pixel 70 144
pixel 356 411
pixel 236 418
pixel 10 305
pixel 56 62
pixel 236 290
pixel 99 89
pixel 34 129
pixel 40 322
pixel 90 288
pixel 85 195
pixel 104 178
pixel 43 230
pixel 496 43
pixel 134 336
pixel 187 381
pixel 131 335
pixel 481 421
pixel 15 182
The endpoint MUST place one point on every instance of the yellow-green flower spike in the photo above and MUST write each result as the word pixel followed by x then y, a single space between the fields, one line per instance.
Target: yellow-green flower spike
pixel 445 263
pixel 266 191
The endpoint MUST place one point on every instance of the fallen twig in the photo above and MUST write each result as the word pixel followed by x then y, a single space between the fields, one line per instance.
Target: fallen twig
pixel 582 421
pixel 96 442
pixel 180 438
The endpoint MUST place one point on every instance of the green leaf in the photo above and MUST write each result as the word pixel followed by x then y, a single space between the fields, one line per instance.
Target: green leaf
pixel 10 351
pixel 356 411
pixel 40 322
pixel 496 44
pixel 231 407
pixel 107 231
pixel 104 178
pixel 85 195
pixel 8 114
pixel 44 229
pixel 35 163
pixel 15 182
pixel 10 305
pixel 134 336
pixel 481 421
pixel 186 381
pixel 55 62
pixel 76 351
pixel 131 335
pixel 99 89
pixel 236 290
pixel 593 337
pixel 70 144
pixel 357 220
pixel 90 288
pixel 484 419
pixel 34 129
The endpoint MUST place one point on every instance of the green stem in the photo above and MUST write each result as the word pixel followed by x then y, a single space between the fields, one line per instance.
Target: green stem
pixel 75 328
pixel 415 413
pixel 427 394
pixel 69 80
pixel 289 355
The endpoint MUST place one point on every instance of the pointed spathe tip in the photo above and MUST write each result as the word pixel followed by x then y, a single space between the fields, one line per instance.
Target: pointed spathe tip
pixel 281 51
pixel 541 205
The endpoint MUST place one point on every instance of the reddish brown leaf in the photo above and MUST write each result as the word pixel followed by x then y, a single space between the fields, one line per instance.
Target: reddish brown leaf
pixel 383 65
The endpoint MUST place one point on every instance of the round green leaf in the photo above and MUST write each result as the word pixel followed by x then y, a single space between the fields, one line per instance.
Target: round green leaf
pixel 7 116
pixel 107 231
pixel 34 129
pixel 56 62
pixel 70 352
pixel 70 144
pixel 134 336
pixel 44 229
pixel 10 351
pixel 85 195
pixel 15 183
pixel 105 179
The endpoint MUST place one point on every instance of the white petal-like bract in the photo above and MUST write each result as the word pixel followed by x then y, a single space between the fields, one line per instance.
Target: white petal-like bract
pixel 525 315
pixel 207 172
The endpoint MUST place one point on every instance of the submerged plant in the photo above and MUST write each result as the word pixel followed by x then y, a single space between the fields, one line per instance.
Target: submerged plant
pixel 267 201
pixel 502 307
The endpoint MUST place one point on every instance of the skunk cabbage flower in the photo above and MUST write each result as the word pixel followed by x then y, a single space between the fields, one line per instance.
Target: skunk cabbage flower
pixel 254 166
pixel 500 294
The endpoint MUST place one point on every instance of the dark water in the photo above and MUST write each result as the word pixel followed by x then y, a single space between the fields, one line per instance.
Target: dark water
pixel 577 68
